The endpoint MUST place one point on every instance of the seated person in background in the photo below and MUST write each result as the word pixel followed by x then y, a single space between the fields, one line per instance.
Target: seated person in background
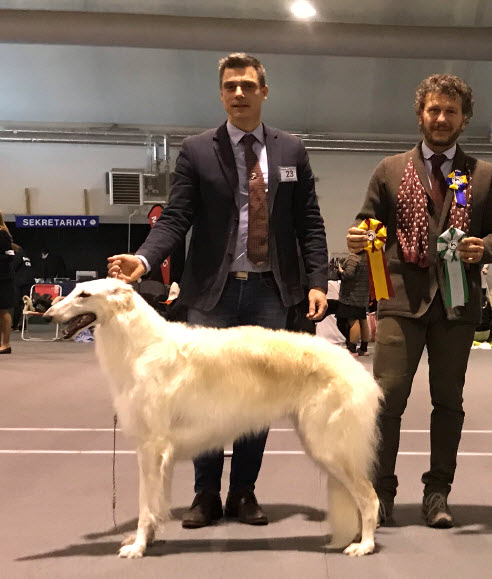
pixel 49 265
pixel 353 302
pixel 23 280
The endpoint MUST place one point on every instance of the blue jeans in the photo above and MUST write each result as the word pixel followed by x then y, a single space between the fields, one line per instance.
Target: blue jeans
pixel 254 302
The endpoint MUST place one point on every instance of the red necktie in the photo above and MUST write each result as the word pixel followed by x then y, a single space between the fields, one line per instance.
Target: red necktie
pixel 438 182
pixel 257 246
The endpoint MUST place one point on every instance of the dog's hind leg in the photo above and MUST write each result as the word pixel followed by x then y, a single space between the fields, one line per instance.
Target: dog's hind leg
pixel 153 499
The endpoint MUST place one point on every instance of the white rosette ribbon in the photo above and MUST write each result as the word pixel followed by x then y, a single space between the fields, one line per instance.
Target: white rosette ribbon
pixel 456 285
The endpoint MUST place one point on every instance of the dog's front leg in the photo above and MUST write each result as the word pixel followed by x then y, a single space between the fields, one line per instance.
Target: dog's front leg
pixel 150 487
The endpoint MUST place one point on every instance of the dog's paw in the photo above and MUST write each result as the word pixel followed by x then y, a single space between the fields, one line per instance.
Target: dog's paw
pixel 133 537
pixel 359 549
pixel 129 540
pixel 133 551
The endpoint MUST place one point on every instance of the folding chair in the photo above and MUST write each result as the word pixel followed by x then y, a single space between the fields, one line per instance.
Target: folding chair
pixel 51 289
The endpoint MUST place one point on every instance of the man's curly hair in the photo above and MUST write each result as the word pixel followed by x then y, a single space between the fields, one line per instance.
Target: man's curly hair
pixel 449 85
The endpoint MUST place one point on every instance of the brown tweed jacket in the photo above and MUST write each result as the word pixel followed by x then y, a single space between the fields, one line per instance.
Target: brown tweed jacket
pixel 415 287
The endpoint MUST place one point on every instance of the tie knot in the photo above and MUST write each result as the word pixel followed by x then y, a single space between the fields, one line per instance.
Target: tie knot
pixel 437 161
pixel 249 140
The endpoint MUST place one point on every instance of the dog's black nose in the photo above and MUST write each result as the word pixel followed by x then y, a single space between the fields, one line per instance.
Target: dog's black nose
pixel 47 318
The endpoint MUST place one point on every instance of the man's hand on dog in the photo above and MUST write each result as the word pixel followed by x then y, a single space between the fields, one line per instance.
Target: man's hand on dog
pixel 125 267
pixel 317 304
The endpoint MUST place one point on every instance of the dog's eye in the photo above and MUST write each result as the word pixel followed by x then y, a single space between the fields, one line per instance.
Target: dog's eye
pixel 84 295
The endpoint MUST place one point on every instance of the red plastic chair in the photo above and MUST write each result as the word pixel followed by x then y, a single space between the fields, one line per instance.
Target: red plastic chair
pixel 54 291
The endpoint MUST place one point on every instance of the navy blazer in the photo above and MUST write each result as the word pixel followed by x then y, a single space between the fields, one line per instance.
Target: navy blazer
pixel 204 197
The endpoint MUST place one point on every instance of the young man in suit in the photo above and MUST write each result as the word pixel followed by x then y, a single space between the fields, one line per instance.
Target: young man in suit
pixel 409 194
pixel 247 190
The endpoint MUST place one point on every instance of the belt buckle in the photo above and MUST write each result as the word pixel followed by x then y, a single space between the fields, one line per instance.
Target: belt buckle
pixel 241 275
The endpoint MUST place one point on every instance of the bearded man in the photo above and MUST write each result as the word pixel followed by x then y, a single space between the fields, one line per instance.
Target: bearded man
pixel 410 194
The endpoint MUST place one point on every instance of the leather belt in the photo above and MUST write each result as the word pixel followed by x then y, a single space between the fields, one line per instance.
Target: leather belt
pixel 245 275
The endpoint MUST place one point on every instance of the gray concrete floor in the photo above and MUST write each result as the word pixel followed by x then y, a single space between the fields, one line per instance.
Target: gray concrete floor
pixel 56 489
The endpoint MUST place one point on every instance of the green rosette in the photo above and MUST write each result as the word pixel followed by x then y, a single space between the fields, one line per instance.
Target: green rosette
pixel 456 285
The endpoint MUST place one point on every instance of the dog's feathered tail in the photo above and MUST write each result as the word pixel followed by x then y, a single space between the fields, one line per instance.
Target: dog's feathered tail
pixel 350 493
pixel 165 471
pixel 339 431
pixel 344 515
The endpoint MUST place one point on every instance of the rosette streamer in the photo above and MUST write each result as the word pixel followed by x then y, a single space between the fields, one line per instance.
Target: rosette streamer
pixel 379 280
pixel 456 286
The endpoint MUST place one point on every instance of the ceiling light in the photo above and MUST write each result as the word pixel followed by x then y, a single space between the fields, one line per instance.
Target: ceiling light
pixel 302 9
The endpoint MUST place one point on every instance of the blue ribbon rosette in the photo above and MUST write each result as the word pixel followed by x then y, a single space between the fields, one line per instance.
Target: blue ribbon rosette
pixel 457 181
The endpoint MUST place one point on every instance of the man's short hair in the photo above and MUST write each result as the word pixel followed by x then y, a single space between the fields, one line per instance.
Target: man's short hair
pixel 242 60
pixel 449 85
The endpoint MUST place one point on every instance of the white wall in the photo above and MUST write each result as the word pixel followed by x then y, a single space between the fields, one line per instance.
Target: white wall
pixel 173 88
pixel 341 187
pixel 43 83
pixel 57 175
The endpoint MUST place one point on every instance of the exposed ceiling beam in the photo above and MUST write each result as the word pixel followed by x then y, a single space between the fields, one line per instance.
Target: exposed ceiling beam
pixel 256 36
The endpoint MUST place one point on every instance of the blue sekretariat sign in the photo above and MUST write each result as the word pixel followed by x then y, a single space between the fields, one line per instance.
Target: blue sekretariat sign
pixel 56 220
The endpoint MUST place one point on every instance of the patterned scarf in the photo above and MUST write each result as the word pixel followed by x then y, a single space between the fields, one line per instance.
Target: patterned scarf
pixel 412 218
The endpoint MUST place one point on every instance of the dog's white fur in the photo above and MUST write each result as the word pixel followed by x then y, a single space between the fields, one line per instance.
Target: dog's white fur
pixel 179 391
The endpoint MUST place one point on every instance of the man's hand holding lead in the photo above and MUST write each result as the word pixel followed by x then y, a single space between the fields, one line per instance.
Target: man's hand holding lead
pixel 126 267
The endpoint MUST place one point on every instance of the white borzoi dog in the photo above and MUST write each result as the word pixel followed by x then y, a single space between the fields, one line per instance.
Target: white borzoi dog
pixel 181 390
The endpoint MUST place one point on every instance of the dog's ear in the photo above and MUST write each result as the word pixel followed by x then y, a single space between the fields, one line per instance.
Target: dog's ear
pixel 122 296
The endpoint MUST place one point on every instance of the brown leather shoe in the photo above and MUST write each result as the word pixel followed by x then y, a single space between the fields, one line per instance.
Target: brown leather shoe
pixel 205 509
pixel 244 506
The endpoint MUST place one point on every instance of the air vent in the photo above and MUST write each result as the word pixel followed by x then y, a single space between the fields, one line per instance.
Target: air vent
pixel 126 188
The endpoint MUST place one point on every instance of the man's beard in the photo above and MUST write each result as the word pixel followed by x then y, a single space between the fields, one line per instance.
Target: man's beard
pixel 443 141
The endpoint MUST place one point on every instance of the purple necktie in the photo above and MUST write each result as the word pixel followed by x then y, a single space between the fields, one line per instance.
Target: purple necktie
pixel 438 182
